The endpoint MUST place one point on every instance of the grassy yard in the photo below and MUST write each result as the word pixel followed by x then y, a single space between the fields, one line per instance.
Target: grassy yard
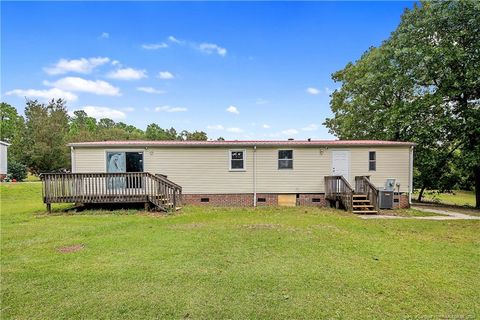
pixel 457 197
pixel 208 263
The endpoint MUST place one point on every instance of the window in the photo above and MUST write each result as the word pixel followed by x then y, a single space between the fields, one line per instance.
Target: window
pixel 120 162
pixel 316 199
pixel 204 199
pixel 262 200
pixel 237 160
pixel 285 159
pixel 372 161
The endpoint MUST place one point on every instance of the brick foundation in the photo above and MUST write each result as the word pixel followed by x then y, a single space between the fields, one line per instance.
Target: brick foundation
pixel 403 203
pixel 312 199
pixel 268 199
pixel 2 176
pixel 246 199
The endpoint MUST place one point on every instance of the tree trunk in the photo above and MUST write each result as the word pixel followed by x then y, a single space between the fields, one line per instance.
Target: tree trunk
pixel 477 186
pixel 420 195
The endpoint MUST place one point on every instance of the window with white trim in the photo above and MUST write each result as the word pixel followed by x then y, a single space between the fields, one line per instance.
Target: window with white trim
pixel 372 161
pixel 237 160
pixel 285 159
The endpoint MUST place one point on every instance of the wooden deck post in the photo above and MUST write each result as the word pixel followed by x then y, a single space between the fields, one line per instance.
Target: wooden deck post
pixel 147 206
pixel 49 207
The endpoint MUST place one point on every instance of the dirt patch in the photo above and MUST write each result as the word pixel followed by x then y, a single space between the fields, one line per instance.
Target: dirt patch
pixel 262 226
pixel 188 226
pixel 69 249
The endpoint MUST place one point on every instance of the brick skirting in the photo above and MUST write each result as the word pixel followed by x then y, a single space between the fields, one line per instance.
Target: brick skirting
pixel 267 199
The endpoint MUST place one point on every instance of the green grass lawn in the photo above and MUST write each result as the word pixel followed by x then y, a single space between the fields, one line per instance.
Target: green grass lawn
pixel 457 197
pixel 204 263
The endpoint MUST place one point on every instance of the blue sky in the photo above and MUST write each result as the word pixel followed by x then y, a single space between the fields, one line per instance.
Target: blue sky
pixel 238 70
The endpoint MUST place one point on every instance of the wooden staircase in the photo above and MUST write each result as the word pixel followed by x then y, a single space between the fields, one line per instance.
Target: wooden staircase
pixel 362 200
pixel 362 205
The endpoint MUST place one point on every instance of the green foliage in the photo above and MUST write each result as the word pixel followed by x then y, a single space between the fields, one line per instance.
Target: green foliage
pixel 46 132
pixel 17 171
pixel 421 85
pixel 10 122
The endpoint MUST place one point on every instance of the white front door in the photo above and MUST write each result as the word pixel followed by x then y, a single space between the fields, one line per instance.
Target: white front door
pixel 341 164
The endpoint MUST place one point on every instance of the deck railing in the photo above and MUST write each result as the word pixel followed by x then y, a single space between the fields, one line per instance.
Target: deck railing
pixel 110 188
pixel 363 185
pixel 338 188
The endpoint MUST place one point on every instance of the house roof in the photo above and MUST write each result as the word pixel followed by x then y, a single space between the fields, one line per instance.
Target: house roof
pixel 242 143
pixel 4 143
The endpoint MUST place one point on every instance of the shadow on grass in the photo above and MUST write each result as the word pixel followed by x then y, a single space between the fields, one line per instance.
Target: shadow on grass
pixel 96 209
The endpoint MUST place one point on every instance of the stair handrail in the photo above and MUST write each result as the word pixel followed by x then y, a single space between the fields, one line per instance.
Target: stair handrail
pixel 365 186
pixel 169 189
pixel 338 188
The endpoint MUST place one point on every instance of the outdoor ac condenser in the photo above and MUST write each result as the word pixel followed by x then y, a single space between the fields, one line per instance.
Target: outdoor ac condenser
pixel 387 194
pixel 385 199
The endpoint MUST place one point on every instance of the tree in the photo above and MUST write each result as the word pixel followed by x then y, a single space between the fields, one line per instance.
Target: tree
pixel 421 85
pixel 10 122
pixel 154 132
pixel 12 130
pixel 195 135
pixel 46 133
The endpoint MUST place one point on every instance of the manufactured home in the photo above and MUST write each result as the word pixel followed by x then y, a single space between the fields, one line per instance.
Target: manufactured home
pixel 361 176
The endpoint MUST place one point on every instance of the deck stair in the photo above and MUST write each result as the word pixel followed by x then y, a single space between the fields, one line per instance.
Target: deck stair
pixel 362 205
pixel 363 199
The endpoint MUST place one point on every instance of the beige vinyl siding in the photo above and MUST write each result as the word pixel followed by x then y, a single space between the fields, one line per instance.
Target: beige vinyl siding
pixel 88 160
pixel 206 170
pixel 201 170
pixel 310 165
pixel 392 162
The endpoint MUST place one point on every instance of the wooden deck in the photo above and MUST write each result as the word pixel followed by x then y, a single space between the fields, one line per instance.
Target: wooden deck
pixel 362 199
pixel 131 187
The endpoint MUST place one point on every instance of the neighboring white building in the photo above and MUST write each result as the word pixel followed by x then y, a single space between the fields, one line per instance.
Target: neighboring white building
pixel 3 159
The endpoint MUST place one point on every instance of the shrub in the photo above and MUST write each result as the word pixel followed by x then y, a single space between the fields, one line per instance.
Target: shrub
pixel 17 170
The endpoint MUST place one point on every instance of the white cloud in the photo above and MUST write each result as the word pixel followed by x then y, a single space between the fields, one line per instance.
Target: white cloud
pixel 165 75
pixel 328 90
pixel 210 48
pixel 81 65
pixel 127 74
pixel 310 127
pixel 235 130
pixel 105 35
pixel 313 91
pixel 154 46
pixel 170 109
pixel 232 109
pixel 115 62
pixel 216 127
pixel 261 101
pixel 104 112
pixel 265 126
pixel 48 94
pixel 175 40
pixel 290 132
pixel 150 90
pixel 98 87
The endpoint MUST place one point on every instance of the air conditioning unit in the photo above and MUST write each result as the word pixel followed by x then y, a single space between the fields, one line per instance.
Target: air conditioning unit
pixel 385 199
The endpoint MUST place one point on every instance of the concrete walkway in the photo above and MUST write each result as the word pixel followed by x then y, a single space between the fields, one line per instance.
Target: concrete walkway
pixel 443 215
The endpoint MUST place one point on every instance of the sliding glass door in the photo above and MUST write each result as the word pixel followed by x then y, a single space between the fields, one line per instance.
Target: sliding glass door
pixel 121 162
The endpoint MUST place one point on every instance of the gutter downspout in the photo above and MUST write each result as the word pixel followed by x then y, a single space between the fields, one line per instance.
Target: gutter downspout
pixel 72 160
pixel 410 182
pixel 254 176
